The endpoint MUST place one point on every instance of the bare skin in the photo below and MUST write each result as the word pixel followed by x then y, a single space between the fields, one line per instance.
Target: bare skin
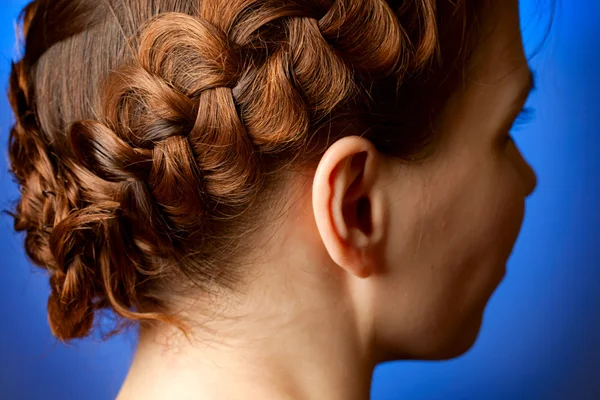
pixel 340 288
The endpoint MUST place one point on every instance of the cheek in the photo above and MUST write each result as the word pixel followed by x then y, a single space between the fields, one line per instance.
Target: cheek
pixel 481 212
pixel 499 211
pixel 461 237
pixel 481 226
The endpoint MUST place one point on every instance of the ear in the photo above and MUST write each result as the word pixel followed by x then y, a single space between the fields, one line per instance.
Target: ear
pixel 349 205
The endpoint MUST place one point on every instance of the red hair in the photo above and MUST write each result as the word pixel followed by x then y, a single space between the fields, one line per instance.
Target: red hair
pixel 150 136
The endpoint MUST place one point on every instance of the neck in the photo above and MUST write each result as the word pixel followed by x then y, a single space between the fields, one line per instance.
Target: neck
pixel 303 348
pixel 295 332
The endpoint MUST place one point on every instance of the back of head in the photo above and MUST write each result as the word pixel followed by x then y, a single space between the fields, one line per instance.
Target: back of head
pixel 152 135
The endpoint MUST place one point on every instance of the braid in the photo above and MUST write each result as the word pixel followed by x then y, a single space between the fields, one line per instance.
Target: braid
pixel 161 174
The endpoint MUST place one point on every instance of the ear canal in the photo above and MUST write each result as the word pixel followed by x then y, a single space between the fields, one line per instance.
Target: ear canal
pixel 363 213
pixel 357 210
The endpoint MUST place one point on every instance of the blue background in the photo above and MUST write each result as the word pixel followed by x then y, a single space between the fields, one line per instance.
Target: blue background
pixel 541 333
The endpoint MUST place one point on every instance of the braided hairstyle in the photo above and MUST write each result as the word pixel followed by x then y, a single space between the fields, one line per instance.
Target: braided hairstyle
pixel 150 135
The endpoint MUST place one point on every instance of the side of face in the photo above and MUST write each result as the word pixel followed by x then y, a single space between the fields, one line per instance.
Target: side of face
pixel 453 221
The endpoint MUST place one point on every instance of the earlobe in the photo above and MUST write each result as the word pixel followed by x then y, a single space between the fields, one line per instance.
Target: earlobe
pixel 347 204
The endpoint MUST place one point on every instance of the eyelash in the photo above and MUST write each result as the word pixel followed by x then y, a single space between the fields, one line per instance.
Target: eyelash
pixel 526 116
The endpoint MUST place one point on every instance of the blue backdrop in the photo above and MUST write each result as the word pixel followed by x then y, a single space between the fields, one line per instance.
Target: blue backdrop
pixel 541 333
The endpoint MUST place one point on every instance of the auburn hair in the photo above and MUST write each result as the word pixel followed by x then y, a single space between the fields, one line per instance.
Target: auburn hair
pixel 152 135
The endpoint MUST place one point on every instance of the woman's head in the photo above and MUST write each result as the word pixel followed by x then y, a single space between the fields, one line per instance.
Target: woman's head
pixel 176 152
pixel 450 223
